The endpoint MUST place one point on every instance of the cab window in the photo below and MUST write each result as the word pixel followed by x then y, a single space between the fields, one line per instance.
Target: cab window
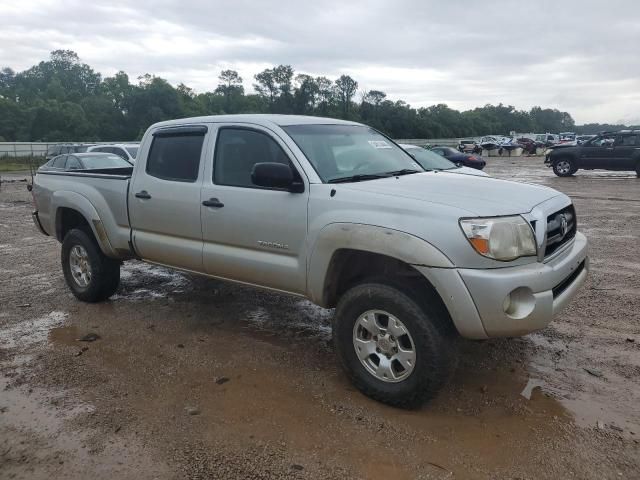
pixel 238 150
pixel 628 141
pixel 121 153
pixel 59 162
pixel 73 163
pixel 176 156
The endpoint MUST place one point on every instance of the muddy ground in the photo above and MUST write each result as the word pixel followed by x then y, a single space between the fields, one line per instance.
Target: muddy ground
pixel 194 378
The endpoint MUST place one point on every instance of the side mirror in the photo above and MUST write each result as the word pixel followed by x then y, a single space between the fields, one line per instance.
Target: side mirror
pixel 274 175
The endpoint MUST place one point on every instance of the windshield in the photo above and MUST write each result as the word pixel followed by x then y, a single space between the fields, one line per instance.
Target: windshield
pixel 430 160
pixel 342 151
pixel 133 151
pixel 102 160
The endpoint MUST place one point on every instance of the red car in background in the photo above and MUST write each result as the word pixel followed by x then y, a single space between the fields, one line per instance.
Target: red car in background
pixel 468 160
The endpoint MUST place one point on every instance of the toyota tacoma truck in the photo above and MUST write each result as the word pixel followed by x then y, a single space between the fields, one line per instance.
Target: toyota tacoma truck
pixel 335 212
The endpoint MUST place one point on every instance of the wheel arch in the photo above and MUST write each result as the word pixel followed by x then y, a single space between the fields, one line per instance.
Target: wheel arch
pixel 73 210
pixel 345 253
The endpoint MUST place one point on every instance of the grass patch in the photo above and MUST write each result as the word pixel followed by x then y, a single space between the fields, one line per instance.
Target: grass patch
pixel 9 164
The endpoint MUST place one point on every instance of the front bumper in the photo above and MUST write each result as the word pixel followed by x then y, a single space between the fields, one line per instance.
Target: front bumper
pixel 36 221
pixel 512 301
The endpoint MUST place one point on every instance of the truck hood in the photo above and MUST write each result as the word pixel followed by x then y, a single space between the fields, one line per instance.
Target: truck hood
pixel 481 196
pixel 562 145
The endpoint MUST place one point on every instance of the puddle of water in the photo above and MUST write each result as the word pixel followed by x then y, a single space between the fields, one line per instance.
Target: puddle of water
pixel 305 317
pixel 140 281
pixel 34 410
pixel 580 393
pixel 64 335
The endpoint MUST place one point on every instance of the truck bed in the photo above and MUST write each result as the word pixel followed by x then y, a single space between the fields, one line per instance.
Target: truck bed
pixel 99 194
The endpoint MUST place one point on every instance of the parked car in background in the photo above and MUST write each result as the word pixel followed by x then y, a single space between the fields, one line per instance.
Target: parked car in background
pixel 567 137
pixel 580 139
pixel 59 149
pixel 451 154
pixel 469 146
pixel 490 142
pixel 128 151
pixel 548 139
pixel 432 161
pixel 529 145
pixel 84 161
pixel 608 151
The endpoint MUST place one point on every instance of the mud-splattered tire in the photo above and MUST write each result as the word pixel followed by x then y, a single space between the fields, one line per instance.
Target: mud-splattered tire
pixel 91 276
pixel 428 333
pixel 564 167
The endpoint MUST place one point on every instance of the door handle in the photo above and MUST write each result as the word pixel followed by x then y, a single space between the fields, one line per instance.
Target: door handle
pixel 143 194
pixel 213 202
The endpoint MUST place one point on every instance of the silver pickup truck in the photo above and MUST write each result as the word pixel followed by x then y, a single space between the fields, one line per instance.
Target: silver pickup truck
pixel 335 212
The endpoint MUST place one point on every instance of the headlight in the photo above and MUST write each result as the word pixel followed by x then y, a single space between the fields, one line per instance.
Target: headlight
pixel 500 238
pixel 547 152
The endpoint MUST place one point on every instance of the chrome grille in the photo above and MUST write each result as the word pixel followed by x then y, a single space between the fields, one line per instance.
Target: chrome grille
pixel 561 227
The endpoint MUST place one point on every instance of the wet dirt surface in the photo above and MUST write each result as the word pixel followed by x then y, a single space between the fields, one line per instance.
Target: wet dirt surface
pixel 194 378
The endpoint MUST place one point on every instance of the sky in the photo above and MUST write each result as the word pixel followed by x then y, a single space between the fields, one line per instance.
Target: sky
pixel 577 56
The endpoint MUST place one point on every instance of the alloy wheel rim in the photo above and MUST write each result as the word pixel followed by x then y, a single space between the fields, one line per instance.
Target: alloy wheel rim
pixel 563 167
pixel 384 346
pixel 80 265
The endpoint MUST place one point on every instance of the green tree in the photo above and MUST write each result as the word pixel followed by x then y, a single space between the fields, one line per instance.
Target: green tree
pixel 62 99
pixel 346 88
pixel 305 94
pixel 230 87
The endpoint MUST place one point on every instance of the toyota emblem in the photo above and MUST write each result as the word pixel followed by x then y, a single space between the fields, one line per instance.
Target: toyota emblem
pixel 564 225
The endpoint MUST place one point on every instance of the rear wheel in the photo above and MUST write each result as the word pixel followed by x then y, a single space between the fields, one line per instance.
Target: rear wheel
pixel 89 273
pixel 564 167
pixel 394 348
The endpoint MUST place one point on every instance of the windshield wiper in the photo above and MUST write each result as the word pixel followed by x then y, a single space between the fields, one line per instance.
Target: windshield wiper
pixel 404 171
pixel 359 178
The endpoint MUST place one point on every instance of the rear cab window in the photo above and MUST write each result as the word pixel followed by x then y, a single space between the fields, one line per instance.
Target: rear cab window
pixel 175 153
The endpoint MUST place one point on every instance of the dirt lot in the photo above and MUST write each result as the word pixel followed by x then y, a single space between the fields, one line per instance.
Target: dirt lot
pixel 194 378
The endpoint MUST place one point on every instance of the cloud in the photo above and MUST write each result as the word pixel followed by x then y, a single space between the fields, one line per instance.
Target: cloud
pixel 565 55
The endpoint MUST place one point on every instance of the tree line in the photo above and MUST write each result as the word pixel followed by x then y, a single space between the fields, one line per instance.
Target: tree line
pixel 63 99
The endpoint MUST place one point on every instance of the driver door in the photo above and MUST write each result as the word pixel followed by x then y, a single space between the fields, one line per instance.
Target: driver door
pixel 253 234
pixel 598 153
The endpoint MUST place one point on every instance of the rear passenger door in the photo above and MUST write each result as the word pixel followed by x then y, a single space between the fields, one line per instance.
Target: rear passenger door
pixel 164 198
pixel 625 150
pixel 253 234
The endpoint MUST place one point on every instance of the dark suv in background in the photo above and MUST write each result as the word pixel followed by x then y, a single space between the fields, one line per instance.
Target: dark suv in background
pixel 607 151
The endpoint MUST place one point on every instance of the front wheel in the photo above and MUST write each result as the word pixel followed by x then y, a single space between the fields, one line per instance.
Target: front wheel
pixel 89 273
pixel 393 348
pixel 564 167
